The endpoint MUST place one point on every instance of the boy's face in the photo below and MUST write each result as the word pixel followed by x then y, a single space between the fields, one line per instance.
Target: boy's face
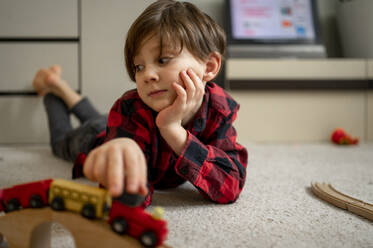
pixel 156 72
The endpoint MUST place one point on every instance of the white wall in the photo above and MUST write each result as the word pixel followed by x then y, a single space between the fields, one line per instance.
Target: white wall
pixel 104 28
pixel 264 115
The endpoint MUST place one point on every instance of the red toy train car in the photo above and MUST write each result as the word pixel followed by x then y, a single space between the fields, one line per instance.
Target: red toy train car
pixel 151 230
pixel 28 195
pixel 125 214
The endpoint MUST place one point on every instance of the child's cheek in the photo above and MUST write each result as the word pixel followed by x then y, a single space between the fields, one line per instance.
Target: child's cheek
pixel 172 95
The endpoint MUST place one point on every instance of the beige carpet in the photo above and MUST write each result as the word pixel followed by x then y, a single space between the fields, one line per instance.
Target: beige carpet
pixel 276 207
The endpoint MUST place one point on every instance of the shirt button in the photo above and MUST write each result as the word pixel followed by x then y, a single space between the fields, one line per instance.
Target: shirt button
pixel 184 170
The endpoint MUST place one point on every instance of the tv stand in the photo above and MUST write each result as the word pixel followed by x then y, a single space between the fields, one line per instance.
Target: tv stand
pixel 310 51
pixel 334 73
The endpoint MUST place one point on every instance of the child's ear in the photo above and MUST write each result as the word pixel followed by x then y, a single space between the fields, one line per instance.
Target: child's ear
pixel 213 64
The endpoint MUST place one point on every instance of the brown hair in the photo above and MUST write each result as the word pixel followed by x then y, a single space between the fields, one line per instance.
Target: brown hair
pixel 178 24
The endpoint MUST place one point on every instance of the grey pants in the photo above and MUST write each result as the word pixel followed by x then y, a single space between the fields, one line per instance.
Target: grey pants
pixel 67 142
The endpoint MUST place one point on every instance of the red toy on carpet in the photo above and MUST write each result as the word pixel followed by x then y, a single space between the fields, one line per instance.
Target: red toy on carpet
pixel 340 137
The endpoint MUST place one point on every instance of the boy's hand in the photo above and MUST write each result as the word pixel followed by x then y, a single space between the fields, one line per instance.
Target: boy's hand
pixel 188 101
pixel 171 120
pixel 115 163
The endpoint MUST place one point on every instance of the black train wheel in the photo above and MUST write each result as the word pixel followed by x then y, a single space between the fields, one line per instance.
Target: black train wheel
pixel 148 239
pixel 12 205
pixel 58 203
pixel 119 225
pixel 89 211
pixel 36 201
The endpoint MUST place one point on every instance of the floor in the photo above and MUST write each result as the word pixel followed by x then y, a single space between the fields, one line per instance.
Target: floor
pixel 275 209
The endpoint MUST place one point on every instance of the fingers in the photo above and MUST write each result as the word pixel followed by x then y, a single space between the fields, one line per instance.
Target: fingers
pixel 115 172
pixel 99 169
pixel 189 85
pixel 181 93
pixel 143 189
pixel 135 171
pixel 117 163
pixel 199 85
pixel 193 84
pixel 92 167
pixel 88 166
pixel 131 174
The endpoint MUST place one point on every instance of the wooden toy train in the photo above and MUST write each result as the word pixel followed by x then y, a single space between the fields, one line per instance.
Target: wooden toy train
pixel 124 214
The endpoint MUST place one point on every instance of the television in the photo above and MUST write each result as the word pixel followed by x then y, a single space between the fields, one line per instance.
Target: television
pixel 273 29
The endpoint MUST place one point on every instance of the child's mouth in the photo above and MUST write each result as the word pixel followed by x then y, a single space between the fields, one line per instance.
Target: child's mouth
pixel 156 93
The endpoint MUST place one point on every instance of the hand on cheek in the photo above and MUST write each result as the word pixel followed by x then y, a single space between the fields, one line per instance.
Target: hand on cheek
pixel 195 90
pixel 172 119
pixel 118 164
pixel 189 95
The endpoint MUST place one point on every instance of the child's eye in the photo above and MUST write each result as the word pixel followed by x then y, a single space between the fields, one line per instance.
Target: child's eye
pixel 163 60
pixel 139 68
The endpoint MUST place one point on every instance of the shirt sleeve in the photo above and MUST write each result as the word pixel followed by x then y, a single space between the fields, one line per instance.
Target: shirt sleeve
pixel 217 168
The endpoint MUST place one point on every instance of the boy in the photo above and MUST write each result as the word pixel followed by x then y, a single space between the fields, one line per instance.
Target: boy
pixel 177 125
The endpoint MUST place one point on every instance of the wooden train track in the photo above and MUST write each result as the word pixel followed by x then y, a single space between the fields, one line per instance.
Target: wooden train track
pixel 123 214
pixel 18 227
pixel 328 193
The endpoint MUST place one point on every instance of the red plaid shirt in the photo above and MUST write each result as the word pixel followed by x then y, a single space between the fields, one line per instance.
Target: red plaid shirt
pixel 211 160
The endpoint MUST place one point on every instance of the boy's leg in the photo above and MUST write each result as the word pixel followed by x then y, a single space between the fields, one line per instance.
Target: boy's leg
pixel 81 139
pixel 58 122
pixel 49 81
pixel 67 142
pixel 59 100
pixel 84 110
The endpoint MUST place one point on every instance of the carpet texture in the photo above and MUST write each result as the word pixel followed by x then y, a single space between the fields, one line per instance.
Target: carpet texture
pixel 275 209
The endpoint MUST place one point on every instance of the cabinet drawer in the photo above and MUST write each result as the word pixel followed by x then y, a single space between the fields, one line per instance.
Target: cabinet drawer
pixel 24 120
pixel 20 61
pixel 38 18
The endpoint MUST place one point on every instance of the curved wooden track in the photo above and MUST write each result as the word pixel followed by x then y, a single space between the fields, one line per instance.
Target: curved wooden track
pixel 17 227
pixel 328 193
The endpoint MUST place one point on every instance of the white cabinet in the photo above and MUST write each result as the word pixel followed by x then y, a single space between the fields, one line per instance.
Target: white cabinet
pixel 23 120
pixel 104 29
pixel 34 34
pixel 20 60
pixel 38 18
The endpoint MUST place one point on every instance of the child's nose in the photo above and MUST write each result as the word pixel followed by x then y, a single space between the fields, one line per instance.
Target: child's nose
pixel 151 75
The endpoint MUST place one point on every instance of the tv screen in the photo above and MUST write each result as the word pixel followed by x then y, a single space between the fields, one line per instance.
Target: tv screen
pixel 272 21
